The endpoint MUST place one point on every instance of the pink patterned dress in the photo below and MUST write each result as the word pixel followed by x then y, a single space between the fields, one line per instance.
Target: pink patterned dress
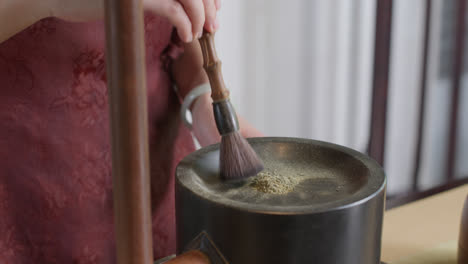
pixel 55 159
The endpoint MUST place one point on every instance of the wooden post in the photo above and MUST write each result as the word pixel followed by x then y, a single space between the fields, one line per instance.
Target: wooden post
pixel 458 55
pixel 422 98
pixel 128 114
pixel 383 32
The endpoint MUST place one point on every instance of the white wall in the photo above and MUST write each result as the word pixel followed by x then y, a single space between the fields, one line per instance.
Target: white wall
pixel 293 68
pixel 303 68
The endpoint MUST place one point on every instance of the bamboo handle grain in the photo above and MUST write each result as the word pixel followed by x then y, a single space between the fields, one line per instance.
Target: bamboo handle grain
pixel 129 130
pixel 212 66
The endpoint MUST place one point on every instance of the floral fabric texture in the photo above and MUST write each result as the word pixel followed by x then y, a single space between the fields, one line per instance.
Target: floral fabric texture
pixel 55 155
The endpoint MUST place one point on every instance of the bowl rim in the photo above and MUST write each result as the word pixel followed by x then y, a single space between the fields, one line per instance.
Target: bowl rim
pixel 374 186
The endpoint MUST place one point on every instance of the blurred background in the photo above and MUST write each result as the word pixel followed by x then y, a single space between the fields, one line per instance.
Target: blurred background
pixel 383 77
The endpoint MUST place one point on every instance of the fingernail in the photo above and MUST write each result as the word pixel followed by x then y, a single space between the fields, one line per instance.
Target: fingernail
pixel 197 35
pixel 213 26
pixel 189 38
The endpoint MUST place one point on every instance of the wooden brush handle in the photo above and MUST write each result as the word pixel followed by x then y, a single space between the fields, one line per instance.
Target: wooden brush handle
pixel 212 66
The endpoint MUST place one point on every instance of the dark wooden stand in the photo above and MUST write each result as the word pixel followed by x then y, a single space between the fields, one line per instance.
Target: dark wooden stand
pixel 128 113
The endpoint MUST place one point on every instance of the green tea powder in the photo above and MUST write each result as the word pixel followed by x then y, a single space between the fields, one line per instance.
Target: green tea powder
pixel 273 183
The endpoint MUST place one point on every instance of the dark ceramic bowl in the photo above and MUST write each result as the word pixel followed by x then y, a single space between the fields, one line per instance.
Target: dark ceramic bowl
pixel 332 215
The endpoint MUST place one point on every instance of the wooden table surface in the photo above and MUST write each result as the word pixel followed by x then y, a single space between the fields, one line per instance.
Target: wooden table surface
pixel 430 223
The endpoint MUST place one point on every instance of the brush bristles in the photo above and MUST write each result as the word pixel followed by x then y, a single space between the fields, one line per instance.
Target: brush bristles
pixel 238 160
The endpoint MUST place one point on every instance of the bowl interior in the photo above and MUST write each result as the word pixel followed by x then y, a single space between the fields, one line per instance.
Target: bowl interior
pixel 320 176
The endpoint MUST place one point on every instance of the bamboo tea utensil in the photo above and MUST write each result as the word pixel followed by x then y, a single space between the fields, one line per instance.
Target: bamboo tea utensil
pixel 129 128
pixel 237 158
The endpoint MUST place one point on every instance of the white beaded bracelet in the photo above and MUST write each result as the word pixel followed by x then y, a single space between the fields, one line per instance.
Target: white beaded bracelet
pixel 196 92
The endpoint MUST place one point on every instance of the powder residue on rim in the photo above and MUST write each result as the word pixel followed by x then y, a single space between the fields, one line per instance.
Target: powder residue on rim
pixel 273 182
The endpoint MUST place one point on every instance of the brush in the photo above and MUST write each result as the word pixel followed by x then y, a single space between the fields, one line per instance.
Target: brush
pixel 237 158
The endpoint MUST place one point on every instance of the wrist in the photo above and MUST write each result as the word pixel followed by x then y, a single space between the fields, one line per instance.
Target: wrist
pixel 202 103
pixel 193 102
pixel 185 85
pixel 204 126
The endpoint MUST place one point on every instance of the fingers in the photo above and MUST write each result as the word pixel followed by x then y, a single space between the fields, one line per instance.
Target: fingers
pixel 188 16
pixel 211 23
pixel 196 12
pixel 218 4
pixel 175 13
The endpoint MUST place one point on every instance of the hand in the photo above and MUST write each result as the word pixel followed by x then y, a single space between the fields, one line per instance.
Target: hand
pixel 187 69
pixel 188 16
pixel 187 72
